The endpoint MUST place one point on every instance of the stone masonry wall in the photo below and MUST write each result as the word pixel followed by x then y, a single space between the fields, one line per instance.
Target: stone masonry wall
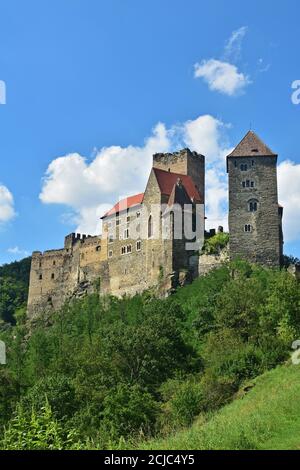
pixel 262 244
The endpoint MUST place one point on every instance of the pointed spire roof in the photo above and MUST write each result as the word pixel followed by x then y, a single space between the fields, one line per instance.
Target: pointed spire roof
pixel 252 145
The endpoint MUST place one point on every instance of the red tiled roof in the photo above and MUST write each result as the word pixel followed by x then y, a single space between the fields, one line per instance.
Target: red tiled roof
pixel 124 204
pixel 166 181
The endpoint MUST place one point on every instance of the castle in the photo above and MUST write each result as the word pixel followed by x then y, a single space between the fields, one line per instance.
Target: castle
pixel 154 239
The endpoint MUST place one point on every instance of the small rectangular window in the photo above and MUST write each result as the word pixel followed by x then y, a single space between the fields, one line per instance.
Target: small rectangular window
pixel 248 228
pixel 110 253
pixel 129 248
pixel 126 233
pixel 138 245
pixel 52 276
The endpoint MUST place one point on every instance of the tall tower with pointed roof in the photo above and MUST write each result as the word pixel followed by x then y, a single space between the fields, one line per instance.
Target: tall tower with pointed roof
pixel 255 218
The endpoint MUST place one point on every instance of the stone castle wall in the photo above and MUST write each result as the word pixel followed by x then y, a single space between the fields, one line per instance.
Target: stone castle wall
pixel 262 244
pixel 56 275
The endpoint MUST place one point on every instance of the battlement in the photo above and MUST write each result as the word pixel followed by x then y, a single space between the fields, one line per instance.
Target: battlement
pixel 73 238
pixel 175 157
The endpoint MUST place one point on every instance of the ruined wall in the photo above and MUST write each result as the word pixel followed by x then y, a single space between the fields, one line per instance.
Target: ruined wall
pixel 262 243
pixel 57 275
pixel 209 262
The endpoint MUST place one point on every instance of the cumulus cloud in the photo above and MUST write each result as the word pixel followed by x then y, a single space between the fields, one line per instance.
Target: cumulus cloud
pixel 222 76
pixel 289 197
pixel 90 187
pixel 7 211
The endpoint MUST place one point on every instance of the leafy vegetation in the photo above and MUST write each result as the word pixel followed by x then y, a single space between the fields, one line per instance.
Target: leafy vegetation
pixel 213 245
pixel 14 281
pixel 266 418
pixel 118 373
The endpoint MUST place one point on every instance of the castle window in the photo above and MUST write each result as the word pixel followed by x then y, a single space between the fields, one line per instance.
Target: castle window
pixel 110 253
pixel 123 250
pixel 129 248
pixel 150 227
pixel 128 219
pixel 244 167
pixel 248 228
pixel 40 277
pixel 138 245
pixel 235 163
pixel 110 238
pixel 117 221
pixel 253 205
pixel 98 248
pixel 126 233
pixel 52 276
pixel 248 184
pixel 54 263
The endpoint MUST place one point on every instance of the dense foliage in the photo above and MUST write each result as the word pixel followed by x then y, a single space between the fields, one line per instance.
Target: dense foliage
pixel 14 281
pixel 213 245
pixel 110 373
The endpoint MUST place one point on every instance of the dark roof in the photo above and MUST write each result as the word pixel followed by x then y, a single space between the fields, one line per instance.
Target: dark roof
pixel 125 204
pixel 252 145
pixel 166 181
pixel 179 195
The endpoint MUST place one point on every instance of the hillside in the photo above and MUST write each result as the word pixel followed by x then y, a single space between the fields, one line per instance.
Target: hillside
pixel 14 282
pixel 109 373
pixel 266 418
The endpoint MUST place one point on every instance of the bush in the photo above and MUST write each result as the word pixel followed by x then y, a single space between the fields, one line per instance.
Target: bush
pixel 213 245
pixel 128 411
pixel 182 402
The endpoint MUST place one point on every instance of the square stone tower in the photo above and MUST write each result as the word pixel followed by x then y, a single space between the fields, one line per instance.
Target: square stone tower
pixel 183 162
pixel 255 218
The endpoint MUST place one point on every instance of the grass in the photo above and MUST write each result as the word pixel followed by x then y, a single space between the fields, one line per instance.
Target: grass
pixel 267 417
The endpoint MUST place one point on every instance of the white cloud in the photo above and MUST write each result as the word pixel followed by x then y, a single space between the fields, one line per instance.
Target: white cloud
pixel 7 211
pixel 89 188
pixel 233 47
pixel 289 197
pixel 18 251
pixel 221 76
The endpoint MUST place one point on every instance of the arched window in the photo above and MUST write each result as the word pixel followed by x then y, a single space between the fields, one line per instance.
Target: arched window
pixel 253 205
pixel 150 227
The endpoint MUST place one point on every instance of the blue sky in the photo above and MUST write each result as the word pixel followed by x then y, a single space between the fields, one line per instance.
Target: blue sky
pixel 89 81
